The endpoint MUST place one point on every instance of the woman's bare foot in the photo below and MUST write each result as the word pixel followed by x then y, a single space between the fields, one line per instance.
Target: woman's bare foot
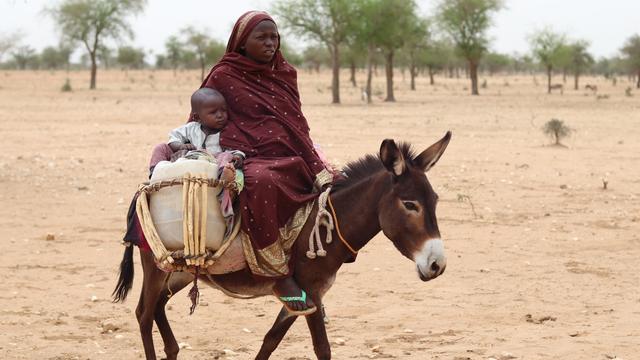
pixel 293 298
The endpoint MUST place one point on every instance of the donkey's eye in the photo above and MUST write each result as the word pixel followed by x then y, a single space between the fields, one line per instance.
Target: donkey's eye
pixel 410 205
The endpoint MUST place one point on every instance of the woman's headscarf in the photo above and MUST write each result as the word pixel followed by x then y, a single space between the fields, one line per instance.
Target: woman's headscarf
pixel 264 104
pixel 233 55
pixel 243 28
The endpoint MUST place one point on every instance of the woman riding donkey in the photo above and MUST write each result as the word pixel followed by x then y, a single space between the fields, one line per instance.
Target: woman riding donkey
pixel 283 171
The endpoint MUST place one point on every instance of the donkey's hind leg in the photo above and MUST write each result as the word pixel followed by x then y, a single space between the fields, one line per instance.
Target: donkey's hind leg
pixel 152 285
pixel 176 282
pixel 276 334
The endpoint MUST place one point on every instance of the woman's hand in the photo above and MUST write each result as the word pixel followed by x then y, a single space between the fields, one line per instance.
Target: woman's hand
pixel 323 181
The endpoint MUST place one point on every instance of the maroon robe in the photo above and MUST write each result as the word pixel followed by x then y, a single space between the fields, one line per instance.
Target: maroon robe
pixel 267 124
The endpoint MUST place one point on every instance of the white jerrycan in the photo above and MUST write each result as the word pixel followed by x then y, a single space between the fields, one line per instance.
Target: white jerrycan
pixel 165 205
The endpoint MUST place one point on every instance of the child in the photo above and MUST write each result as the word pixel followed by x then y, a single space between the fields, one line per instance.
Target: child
pixel 210 109
pixel 203 134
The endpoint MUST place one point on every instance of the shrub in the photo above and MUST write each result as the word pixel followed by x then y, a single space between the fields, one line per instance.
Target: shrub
pixel 557 130
pixel 67 86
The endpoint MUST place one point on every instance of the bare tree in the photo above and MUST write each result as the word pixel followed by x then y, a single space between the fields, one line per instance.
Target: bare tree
pixel 92 21
pixel 467 22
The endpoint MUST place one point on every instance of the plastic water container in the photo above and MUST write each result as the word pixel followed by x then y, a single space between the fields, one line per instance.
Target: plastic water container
pixel 165 205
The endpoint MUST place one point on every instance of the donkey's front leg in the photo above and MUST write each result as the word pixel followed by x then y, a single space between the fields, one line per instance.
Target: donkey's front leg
pixel 276 333
pixel 315 322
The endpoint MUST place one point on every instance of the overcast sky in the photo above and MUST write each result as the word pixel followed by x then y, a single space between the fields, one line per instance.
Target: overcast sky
pixel 605 23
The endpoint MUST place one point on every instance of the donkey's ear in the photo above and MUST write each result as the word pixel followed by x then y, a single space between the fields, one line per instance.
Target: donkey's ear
pixel 430 157
pixel 391 157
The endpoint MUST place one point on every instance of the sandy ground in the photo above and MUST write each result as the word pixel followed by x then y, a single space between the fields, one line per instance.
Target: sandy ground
pixel 546 268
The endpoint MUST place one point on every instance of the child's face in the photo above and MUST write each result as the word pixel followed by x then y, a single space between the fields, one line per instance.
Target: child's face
pixel 213 113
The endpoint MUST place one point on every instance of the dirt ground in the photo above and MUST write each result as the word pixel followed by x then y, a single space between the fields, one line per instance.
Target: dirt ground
pixel 542 261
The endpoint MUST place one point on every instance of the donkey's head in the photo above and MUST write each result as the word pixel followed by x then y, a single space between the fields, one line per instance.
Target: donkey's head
pixel 407 213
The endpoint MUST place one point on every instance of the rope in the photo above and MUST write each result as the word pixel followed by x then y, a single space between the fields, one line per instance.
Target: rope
pixel 153 239
pixel 344 241
pixel 323 218
pixel 148 188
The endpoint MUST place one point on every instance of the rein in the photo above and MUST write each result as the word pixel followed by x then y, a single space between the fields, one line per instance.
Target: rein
pixel 337 224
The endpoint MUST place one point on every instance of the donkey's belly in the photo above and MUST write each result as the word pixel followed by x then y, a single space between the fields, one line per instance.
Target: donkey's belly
pixel 240 283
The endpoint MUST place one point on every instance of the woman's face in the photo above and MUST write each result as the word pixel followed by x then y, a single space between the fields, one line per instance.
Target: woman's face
pixel 262 43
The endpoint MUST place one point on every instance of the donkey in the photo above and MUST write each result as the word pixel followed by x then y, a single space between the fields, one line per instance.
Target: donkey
pixel 388 192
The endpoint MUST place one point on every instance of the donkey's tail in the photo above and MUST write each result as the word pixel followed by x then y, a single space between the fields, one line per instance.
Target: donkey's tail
pixel 125 279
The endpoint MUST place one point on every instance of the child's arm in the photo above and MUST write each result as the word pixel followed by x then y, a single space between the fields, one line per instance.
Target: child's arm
pixel 176 145
pixel 179 139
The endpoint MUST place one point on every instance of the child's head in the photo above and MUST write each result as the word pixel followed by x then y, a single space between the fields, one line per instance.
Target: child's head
pixel 210 107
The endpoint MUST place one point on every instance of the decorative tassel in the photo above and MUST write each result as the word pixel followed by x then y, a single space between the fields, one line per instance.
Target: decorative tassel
pixel 194 293
pixel 323 218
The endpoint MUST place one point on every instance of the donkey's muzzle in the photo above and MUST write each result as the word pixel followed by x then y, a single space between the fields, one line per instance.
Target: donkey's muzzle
pixel 431 261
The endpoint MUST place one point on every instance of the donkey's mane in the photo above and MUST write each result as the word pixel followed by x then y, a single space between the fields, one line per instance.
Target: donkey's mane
pixel 368 165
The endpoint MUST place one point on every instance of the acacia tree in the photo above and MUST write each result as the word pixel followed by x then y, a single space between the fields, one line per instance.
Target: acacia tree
pixel 130 58
pixel 55 58
pixel 547 47
pixel 369 32
pixel 9 42
pixel 399 25
pixel 496 62
pixel 315 56
pixel 631 51
pixel 416 31
pixel 293 57
pixel 206 49
pixel 418 38
pixel 353 58
pixel 105 56
pixel 364 34
pixel 174 52
pixel 579 60
pixel 435 57
pixel 467 22
pixel 23 56
pixel 93 21
pixel 323 21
